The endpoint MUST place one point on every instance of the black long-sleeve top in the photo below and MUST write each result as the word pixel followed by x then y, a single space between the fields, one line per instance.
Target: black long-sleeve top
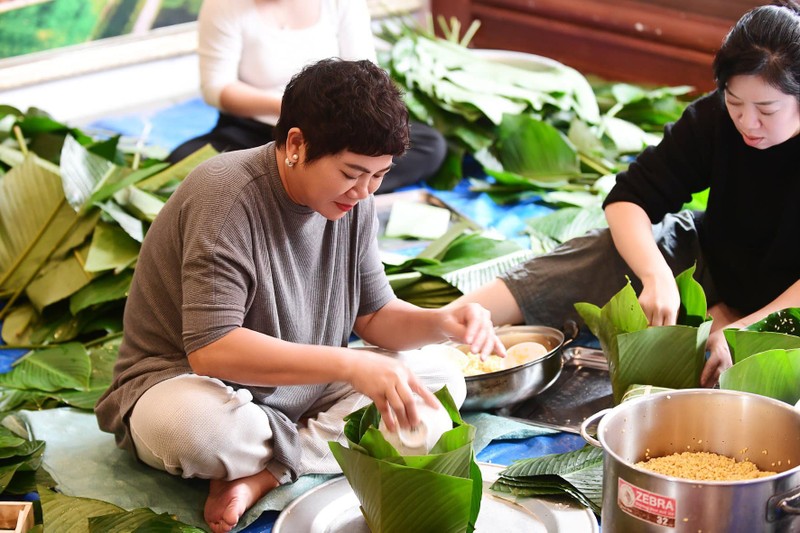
pixel 750 234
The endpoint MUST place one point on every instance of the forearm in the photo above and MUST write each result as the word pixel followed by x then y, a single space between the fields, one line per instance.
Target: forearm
pixel 251 358
pixel 788 298
pixel 632 233
pixel 244 100
pixel 400 325
pixel 497 298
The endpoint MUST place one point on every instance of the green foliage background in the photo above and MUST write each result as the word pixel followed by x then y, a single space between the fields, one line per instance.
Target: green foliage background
pixel 59 23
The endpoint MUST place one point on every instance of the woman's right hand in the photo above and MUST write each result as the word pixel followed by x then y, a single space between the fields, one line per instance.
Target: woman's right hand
pixel 632 232
pixel 392 386
pixel 660 300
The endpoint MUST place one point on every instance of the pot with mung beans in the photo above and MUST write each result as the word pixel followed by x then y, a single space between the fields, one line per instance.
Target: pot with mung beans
pixel 740 426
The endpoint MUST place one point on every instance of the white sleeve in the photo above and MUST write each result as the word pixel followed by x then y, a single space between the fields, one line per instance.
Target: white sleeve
pixel 356 40
pixel 219 48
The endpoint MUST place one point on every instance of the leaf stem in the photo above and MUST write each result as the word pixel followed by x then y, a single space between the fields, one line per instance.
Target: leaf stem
pixel 103 340
pixel 23 146
pixel 89 344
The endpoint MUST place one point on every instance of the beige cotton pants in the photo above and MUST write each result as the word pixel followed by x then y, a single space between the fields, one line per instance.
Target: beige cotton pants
pixel 197 426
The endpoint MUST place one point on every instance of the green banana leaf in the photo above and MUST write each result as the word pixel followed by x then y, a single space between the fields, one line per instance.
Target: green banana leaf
pixel 171 176
pixel 107 288
pixel 779 330
pixel 468 95
pixel 111 249
pixel 65 366
pixel 36 218
pixel 469 249
pixel 20 456
pixel 626 137
pixel 102 358
pixel 132 225
pixel 50 379
pixel 783 321
pixel 45 253
pixel 143 204
pixel 16 325
pixel 440 491
pixel 82 173
pixel 651 109
pixel 24 327
pixel 551 230
pixel 665 356
pixel 773 373
pixel 578 473
pixel 670 357
pixel 58 279
pixel 454 264
pixel 68 514
pixel 535 151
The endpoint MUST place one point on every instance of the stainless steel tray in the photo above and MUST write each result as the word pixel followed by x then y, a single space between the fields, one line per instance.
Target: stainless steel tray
pixel 582 389
pixel 333 508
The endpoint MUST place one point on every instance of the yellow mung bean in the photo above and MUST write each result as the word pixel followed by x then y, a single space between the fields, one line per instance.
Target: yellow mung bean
pixel 703 466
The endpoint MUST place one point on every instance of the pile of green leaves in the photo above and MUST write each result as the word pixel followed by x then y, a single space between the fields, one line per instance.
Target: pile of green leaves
pixel 440 491
pixel 638 354
pixel 75 211
pixel 766 357
pixel 535 125
pixel 20 458
pixel 71 374
pixel 578 474
pixel 459 261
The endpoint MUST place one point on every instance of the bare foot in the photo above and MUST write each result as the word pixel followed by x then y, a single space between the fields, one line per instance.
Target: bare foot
pixel 228 500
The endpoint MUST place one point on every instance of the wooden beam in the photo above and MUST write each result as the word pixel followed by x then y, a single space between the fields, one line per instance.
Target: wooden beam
pixel 627 40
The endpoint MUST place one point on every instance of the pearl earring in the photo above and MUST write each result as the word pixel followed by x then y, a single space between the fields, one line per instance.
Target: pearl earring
pixel 291 162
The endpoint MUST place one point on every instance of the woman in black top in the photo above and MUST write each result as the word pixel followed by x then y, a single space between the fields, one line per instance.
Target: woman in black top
pixel 738 140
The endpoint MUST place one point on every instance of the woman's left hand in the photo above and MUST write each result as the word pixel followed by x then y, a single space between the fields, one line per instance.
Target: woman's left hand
pixel 472 324
pixel 718 361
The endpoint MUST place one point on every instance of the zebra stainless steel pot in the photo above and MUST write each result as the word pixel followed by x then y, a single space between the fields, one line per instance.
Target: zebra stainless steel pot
pixel 735 424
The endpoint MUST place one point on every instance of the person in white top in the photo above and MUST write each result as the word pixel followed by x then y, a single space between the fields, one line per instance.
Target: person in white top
pixel 249 50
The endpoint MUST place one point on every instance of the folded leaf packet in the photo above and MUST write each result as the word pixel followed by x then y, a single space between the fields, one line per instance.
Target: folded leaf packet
pixel 779 330
pixel 663 356
pixel 766 357
pixel 635 391
pixel 438 491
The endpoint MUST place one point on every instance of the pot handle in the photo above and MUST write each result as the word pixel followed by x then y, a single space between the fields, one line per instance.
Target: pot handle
pixel 791 504
pixel 589 422
pixel 784 504
pixel 571 331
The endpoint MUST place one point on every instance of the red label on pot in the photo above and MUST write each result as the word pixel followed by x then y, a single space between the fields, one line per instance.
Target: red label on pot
pixel 646 505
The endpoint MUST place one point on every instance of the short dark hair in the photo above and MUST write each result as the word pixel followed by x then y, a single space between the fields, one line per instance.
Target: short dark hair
pixel 344 105
pixel 764 42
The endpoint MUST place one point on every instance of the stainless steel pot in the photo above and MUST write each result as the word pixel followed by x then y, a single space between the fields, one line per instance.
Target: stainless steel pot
pixel 507 387
pixel 735 424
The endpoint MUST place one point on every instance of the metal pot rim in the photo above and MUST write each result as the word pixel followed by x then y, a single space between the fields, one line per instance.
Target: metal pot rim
pixel 621 410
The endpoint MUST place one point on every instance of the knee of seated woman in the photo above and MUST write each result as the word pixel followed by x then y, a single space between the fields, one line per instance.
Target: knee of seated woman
pixel 199 427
